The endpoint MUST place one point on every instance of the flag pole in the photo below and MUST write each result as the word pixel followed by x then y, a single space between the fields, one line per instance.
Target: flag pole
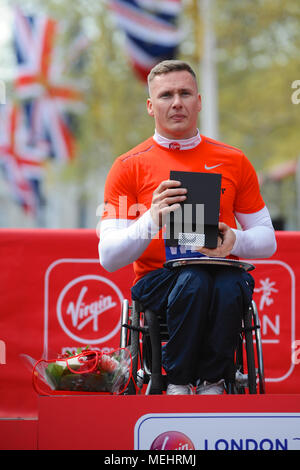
pixel 208 73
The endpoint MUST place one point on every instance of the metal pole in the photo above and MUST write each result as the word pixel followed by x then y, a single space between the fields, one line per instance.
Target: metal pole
pixel 208 72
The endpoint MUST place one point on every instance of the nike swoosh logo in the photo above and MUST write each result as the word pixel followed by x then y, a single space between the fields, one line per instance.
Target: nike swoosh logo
pixel 212 167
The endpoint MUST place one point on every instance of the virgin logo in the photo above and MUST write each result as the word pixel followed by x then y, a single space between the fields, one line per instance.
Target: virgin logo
pixel 82 313
pixel 88 309
pixel 172 440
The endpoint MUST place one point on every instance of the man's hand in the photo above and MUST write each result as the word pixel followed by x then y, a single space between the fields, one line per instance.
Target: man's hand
pixel 225 243
pixel 166 198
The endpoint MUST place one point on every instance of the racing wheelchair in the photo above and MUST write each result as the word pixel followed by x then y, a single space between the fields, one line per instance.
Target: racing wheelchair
pixel 144 332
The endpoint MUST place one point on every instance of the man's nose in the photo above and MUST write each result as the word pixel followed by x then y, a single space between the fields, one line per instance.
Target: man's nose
pixel 177 101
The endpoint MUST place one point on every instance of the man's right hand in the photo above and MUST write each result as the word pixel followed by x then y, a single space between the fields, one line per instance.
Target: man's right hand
pixel 166 198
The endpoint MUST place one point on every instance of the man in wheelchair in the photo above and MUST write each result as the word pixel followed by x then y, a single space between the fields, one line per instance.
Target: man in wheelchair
pixel 202 304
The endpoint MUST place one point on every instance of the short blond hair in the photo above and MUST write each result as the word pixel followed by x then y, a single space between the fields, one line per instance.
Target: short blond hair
pixel 167 66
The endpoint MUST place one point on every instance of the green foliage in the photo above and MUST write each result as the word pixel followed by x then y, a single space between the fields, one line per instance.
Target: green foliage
pixel 258 46
pixel 259 43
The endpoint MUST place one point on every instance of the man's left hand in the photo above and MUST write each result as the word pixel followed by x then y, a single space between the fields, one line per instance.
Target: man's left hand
pixel 225 243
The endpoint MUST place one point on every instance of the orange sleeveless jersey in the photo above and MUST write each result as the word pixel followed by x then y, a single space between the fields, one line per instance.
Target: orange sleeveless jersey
pixel 136 174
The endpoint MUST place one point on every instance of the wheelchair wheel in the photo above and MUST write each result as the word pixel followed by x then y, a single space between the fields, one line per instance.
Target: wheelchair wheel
pixel 241 380
pixel 248 329
pixel 130 323
pixel 247 375
pixel 124 324
pixel 259 353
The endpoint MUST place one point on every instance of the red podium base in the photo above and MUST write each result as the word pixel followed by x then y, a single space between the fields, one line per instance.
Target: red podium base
pixel 251 422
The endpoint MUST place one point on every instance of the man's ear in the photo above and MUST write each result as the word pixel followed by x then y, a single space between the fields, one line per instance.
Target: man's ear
pixel 199 102
pixel 149 107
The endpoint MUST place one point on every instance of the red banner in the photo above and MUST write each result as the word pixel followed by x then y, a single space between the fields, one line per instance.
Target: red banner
pixel 275 296
pixel 55 296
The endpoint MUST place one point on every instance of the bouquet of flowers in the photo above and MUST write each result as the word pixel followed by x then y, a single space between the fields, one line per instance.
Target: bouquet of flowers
pixel 88 371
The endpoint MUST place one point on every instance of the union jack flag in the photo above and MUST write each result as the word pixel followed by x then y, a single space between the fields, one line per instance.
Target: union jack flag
pixel 22 163
pixel 151 31
pixel 48 122
pixel 40 81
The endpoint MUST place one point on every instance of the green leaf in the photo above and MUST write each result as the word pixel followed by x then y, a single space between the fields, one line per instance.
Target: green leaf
pixel 54 373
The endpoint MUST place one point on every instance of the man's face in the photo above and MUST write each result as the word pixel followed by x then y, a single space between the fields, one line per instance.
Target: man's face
pixel 174 103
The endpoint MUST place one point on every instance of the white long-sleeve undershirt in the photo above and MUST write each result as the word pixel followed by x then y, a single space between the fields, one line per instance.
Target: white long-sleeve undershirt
pixel 257 237
pixel 123 241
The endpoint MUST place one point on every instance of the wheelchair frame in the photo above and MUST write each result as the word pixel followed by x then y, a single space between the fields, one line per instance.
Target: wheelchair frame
pixel 143 333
